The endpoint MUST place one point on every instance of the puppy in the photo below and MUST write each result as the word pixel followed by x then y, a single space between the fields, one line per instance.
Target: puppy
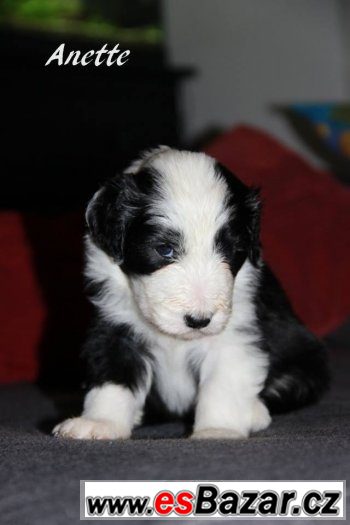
pixel 189 317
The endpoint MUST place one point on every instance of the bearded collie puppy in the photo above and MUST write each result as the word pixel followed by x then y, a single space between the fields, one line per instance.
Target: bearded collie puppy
pixel 189 318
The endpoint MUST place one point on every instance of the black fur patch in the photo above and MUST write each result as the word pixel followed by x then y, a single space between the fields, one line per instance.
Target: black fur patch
pixel 113 353
pixel 140 247
pixel 120 223
pixel 298 372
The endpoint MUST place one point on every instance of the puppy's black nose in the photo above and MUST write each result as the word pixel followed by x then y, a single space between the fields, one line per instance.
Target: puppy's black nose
pixel 196 322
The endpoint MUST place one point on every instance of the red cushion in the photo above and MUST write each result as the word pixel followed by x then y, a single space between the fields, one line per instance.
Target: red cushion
pixel 42 309
pixel 22 309
pixel 305 223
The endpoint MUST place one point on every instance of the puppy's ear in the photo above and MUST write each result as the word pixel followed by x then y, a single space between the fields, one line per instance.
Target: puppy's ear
pixel 108 213
pixel 253 204
pixel 245 202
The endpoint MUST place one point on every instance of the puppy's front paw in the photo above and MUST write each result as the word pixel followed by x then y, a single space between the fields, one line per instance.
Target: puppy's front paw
pixel 260 416
pixel 216 433
pixel 84 428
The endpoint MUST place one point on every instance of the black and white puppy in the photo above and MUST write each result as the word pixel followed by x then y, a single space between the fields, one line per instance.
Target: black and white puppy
pixel 189 318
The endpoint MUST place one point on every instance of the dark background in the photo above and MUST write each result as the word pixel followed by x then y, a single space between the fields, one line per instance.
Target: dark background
pixel 195 68
pixel 68 128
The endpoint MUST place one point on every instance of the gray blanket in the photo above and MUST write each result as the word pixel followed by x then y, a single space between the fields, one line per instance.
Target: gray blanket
pixel 40 474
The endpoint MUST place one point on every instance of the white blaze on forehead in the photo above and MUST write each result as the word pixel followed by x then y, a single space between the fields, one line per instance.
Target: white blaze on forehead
pixel 191 196
pixel 145 158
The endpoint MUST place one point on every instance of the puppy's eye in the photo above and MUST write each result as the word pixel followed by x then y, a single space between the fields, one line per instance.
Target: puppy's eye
pixel 165 250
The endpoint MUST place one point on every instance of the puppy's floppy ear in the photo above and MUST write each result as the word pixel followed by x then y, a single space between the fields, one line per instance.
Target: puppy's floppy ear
pixel 108 213
pixel 253 204
pixel 245 202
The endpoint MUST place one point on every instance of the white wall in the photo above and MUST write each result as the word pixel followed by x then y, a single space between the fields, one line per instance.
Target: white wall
pixel 252 54
pixel 345 25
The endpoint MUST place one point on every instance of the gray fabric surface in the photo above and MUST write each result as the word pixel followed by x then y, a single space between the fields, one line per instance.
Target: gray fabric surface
pixel 40 474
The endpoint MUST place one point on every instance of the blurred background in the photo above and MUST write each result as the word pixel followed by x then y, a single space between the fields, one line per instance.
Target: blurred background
pixel 253 82
pixel 197 67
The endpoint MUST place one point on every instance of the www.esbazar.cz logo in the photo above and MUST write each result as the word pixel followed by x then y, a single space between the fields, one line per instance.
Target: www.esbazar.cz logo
pixel 102 56
pixel 214 499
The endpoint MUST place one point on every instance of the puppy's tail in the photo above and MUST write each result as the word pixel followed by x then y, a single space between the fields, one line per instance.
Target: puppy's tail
pixel 293 385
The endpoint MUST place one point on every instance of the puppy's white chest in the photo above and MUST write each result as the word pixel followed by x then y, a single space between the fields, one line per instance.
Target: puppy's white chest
pixel 174 378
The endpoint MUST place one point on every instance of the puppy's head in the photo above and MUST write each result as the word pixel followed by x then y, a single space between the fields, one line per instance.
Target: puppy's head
pixel 180 226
